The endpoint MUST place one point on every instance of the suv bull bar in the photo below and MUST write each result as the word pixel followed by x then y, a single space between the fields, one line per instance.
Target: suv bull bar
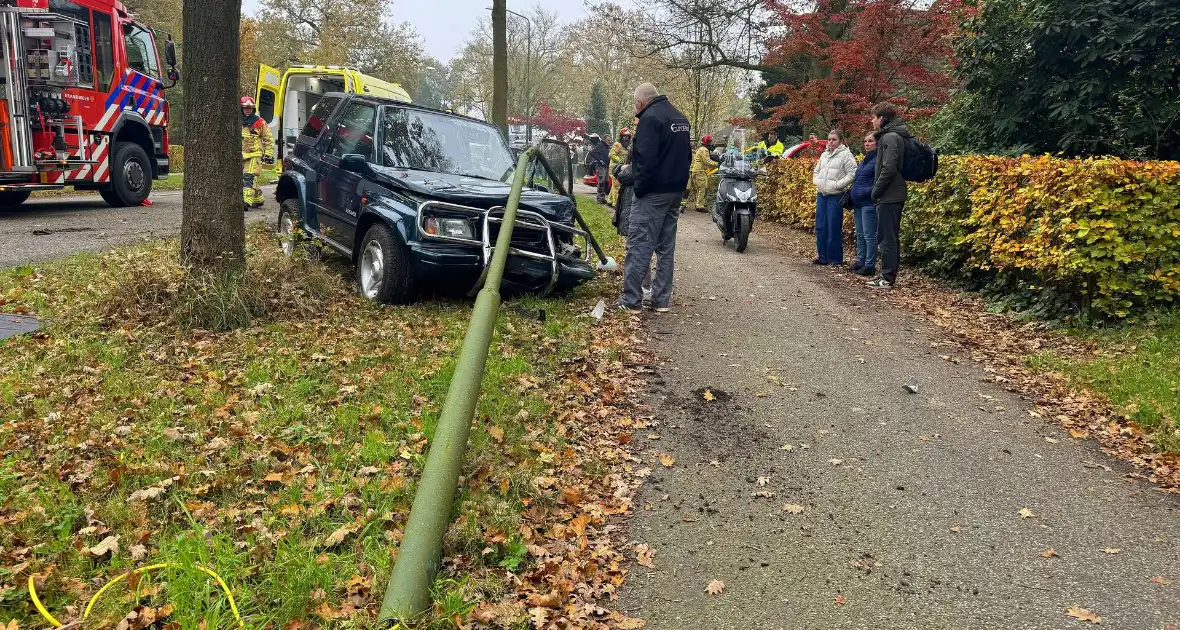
pixel 531 222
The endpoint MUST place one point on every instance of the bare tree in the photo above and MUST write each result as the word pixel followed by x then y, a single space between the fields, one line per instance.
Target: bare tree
pixel 212 236
pixel 699 34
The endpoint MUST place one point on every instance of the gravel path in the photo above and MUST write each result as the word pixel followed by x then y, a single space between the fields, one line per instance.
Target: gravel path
pixel 53 227
pixel 911 502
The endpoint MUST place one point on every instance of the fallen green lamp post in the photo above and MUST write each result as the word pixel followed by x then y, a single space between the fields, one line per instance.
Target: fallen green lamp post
pixel 408 593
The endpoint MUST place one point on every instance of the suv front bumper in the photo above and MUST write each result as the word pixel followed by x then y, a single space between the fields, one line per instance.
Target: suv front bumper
pixel 544 255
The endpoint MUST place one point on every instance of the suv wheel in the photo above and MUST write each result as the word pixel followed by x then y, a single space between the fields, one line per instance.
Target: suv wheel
pixel 384 271
pixel 288 225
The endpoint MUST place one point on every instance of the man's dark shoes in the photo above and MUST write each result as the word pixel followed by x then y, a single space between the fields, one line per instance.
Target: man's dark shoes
pixel 866 271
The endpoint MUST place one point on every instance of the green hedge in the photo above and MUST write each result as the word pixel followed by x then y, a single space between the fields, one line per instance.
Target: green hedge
pixel 176 156
pixel 1062 237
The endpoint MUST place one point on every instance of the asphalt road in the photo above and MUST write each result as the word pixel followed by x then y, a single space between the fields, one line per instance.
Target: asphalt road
pixel 49 228
pixel 911 503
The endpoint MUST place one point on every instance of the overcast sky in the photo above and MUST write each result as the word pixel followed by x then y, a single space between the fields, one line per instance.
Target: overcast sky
pixel 445 24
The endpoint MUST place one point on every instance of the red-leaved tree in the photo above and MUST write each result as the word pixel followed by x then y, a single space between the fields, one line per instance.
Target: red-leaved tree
pixel 558 125
pixel 846 55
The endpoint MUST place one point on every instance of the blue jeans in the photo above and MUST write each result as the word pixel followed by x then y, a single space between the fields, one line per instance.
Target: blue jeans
pixel 866 235
pixel 829 225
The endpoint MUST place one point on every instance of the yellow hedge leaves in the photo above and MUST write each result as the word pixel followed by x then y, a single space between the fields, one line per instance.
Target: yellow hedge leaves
pixel 1097 235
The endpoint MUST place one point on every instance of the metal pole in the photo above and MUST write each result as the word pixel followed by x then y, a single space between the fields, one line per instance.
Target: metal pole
pixel 408 593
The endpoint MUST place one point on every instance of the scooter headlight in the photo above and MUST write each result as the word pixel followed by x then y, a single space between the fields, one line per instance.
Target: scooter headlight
pixel 744 195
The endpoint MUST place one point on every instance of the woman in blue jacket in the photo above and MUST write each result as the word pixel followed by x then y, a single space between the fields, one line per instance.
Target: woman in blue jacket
pixel 865 215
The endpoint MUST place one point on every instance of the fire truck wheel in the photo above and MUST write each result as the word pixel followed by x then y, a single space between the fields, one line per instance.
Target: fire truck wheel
pixel 13 197
pixel 131 175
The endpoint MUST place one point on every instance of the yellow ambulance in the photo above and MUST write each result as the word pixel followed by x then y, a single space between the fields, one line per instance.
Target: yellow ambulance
pixel 285 97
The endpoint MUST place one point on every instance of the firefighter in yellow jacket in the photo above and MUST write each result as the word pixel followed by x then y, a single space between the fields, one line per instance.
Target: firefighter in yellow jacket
pixel 698 179
pixel 258 148
pixel 618 153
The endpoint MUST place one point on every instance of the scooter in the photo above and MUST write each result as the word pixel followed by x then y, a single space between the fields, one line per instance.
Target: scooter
pixel 736 206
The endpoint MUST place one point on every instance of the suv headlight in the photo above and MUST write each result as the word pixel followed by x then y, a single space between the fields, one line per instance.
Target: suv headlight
pixel 455 228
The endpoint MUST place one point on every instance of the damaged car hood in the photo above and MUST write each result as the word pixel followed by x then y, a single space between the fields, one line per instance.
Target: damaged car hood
pixel 473 192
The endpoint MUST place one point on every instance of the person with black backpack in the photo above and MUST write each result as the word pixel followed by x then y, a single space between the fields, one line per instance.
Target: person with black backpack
pixel 900 157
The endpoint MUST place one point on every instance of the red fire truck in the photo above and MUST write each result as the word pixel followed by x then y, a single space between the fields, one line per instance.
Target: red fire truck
pixel 81 100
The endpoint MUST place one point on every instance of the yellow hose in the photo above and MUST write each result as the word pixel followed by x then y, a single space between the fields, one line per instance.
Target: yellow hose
pixel 57 624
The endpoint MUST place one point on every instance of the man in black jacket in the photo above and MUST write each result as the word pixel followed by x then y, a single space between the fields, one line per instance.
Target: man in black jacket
pixel 597 160
pixel 661 156
pixel 889 190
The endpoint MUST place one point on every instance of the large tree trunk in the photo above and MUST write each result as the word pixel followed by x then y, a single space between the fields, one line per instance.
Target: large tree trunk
pixel 500 64
pixel 213 232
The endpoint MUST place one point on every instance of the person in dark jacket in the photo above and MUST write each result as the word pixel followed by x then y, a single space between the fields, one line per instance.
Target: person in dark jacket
pixel 864 213
pixel 597 161
pixel 661 156
pixel 889 189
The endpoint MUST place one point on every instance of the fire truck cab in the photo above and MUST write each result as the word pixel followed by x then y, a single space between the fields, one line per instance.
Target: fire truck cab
pixel 81 100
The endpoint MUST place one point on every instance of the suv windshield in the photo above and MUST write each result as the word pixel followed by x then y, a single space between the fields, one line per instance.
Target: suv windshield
pixel 429 141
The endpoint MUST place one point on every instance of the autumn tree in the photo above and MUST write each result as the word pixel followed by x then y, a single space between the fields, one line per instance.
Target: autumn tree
pixel 849 55
pixel 361 34
pixel 543 63
pixel 212 237
pixel 557 124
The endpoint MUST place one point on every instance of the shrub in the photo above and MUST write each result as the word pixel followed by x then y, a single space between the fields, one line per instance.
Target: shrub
pixel 176 158
pixel 148 286
pixel 1063 237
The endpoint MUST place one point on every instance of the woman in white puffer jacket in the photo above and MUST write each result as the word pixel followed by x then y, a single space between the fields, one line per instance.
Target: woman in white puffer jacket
pixel 832 176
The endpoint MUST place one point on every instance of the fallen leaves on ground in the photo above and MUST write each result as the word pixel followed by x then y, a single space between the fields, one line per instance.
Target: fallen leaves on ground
pixel 708 395
pixel 1026 513
pixel 840 600
pixel 1002 345
pixel 1081 614
pixel 716 587
pixel 645 555
pixel 1112 550
pixel 793 508
pixel 1050 553
pixel 110 545
pixel 667 460
pixel 1159 579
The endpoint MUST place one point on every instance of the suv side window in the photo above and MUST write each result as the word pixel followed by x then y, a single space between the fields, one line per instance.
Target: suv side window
pixel 354 133
pixel 318 117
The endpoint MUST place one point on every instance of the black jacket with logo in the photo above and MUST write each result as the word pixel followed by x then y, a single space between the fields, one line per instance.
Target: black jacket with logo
pixel 662 152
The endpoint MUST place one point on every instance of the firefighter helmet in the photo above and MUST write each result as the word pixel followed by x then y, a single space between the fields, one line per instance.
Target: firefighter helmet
pixel 248 101
pixel 706 139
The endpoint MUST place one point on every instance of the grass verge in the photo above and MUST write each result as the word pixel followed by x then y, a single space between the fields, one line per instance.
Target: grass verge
pixel 1137 367
pixel 283 453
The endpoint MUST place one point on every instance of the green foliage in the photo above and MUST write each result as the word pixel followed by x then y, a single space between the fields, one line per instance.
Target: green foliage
pixel 1093 237
pixel 1092 78
pixel 596 112
pixel 176 158
pixel 1138 370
